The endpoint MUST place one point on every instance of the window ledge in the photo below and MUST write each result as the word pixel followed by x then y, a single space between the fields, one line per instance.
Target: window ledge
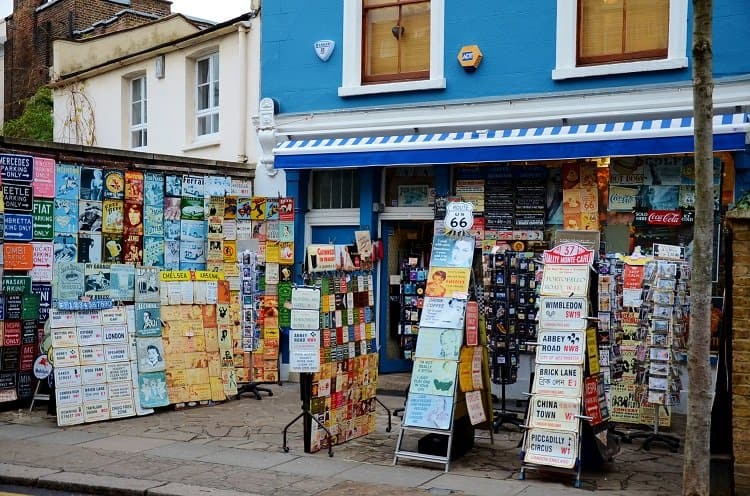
pixel 203 143
pixel 372 89
pixel 619 68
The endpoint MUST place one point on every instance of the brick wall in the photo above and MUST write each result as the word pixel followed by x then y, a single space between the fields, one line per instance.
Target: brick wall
pixel 28 51
pixel 741 354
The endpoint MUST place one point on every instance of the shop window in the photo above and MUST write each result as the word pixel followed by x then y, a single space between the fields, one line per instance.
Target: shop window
pixel 207 95
pixel 138 113
pixel 600 37
pixel 335 189
pixel 409 186
pixel 392 45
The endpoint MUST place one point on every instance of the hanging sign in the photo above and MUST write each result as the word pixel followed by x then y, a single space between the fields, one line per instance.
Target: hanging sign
pixel 305 319
pixel 472 323
pixel 563 313
pixel 568 254
pixel 18 197
pixel 16 167
pixel 561 347
pixel 459 217
pixel 304 350
pixel 321 258
pixel 552 448
pixel 558 380
pixel 306 298
pixel 42 367
pixel 565 280
pixel 555 412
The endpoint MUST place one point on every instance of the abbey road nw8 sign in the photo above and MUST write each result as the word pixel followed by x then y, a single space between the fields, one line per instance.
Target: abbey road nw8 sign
pixel 561 347
pixel 565 280
pixel 558 380
pixel 553 412
pixel 553 448
pixel 563 313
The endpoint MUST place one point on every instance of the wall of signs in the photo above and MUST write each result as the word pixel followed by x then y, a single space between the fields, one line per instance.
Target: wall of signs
pixel 343 391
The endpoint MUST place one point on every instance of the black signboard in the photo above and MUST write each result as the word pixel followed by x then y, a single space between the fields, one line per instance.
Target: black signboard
pixel 28 332
pixel 8 380
pixel 18 197
pixel 10 359
pixel 13 306
pixel 25 385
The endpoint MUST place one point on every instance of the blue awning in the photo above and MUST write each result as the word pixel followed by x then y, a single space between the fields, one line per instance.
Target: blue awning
pixel 646 137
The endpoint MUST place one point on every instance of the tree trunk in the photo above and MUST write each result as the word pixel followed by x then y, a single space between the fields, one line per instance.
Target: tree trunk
pixel 696 469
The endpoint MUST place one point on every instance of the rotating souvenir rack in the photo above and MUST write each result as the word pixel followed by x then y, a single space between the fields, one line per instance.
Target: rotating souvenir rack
pixel 552 437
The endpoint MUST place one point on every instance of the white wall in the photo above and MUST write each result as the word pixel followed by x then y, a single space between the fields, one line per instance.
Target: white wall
pixel 171 104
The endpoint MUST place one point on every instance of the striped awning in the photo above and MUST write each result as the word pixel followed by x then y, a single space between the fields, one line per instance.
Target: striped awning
pixel 646 137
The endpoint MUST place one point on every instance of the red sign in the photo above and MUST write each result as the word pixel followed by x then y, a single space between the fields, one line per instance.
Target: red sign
pixel 18 256
pixel 569 254
pixel 672 218
pixel 12 335
pixel 28 354
pixel 632 276
pixel 472 323
pixel 591 400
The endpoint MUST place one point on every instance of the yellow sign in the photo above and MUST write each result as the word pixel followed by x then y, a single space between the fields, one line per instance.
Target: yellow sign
pixel 175 275
pixel 207 275
pixel 470 56
pixel 593 350
pixel 187 275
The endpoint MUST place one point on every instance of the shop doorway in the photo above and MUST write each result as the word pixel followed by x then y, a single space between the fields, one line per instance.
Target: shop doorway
pixel 407 246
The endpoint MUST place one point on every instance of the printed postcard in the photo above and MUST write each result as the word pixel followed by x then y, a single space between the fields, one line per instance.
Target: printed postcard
pixel 114 185
pixel 192 209
pixel 192 230
pixel 153 251
pixel 90 248
pixel 147 319
pixel 258 208
pixel 97 280
pixel 192 252
pixel 192 186
pixel 286 209
pixel 122 282
pixel 147 284
pixel 133 249
pixel 69 281
pixel 67 181
pixel 112 219
pixel 173 185
pixel 65 247
pixel 153 189
pixel 112 249
pixel 134 186
pixel 66 216
pixel 90 216
pixel 230 207
pixel 133 219
pixel 153 220
pixel 172 208
pixel 92 184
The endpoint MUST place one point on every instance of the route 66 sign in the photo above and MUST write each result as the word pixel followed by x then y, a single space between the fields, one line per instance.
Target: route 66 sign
pixel 459 217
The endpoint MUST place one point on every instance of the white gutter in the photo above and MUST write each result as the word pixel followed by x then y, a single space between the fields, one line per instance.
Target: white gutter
pixel 242 127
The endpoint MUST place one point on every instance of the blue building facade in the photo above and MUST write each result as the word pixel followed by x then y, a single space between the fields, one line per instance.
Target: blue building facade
pixel 352 149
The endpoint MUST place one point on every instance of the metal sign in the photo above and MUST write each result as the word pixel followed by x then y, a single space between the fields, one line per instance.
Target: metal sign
pixel 459 217
pixel 18 227
pixel 552 448
pixel 563 313
pixel 16 167
pixel 561 347
pixel 43 219
pixel 18 197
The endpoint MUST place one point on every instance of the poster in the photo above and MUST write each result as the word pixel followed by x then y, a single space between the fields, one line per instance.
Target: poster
pixel 321 258
pixel 447 282
pixel 439 343
pixel 304 350
pixel 429 411
pixel 448 313
pixel 561 347
pixel 451 252
pixel 553 448
pixel 152 390
pixel 436 377
pixel 150 355
pixel 114 185
pixel 112 216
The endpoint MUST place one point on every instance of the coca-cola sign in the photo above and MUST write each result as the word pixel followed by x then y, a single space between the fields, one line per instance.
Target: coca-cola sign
pixel 672 218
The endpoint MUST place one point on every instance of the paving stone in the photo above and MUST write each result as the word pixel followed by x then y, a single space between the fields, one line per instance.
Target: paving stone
pixel 247 458
pixel 97 484
pixel 177 489
pixel 69 437
pixel 182 451
pixel 396 476
pixel 475 485
pixel 18 431
pixel 130 444
pixel 23 475
pixel 312 466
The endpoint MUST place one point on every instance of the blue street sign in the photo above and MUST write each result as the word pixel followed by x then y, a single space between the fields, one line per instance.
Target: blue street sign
pixel 18 227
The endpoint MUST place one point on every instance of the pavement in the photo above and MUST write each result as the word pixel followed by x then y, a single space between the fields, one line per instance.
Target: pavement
pixel 235 448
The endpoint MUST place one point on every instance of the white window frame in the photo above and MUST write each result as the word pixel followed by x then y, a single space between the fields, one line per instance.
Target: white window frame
pixel 566 49
pixel 351 76
pixel 214 107
pixel 141 127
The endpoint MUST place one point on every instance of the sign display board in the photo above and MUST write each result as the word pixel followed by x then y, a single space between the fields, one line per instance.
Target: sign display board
pixel 558 380
pixel 561 347
pixel 563 313
pixel 555 412
pixel 552 448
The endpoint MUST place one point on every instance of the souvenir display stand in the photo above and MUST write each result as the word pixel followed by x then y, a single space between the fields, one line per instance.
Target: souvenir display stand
pixel 664 310
pixel 552 438
pixel 435 402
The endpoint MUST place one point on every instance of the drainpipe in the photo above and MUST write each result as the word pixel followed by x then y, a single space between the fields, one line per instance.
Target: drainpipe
pixel 242 29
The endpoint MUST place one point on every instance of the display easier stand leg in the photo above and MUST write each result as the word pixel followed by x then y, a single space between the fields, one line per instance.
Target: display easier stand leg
pixel 503 416
pixel 307 417
pixel 253 388
pixel 387 410
pixel 672 442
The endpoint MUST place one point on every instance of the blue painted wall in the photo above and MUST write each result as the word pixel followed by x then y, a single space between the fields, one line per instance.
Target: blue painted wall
pixel 516 38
